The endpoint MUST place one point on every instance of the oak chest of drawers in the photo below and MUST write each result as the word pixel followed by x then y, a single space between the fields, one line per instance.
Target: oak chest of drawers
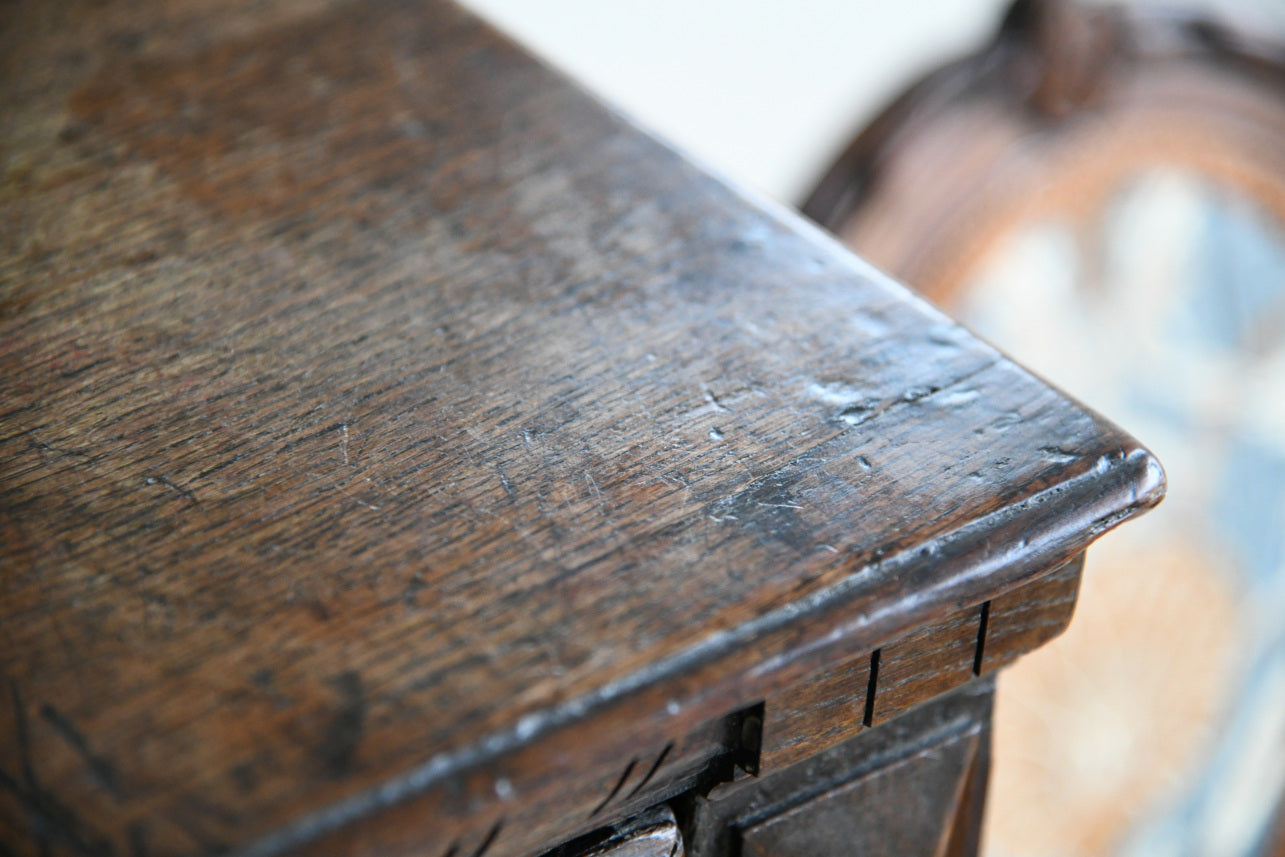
pixel 402 454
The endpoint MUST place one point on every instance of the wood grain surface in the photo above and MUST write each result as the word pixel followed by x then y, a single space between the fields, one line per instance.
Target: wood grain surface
pixel 1026 618
pixel 837 702
pixel 394 442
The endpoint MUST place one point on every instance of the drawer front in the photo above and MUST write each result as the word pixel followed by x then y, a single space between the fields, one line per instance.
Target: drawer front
pixel 918 806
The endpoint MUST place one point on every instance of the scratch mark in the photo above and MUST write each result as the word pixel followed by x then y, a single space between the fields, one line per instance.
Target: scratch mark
pixel 859 412
pixel 651 772
pixel 38 444
pixel 185 493
pixel 914 394
pixel 715 403
pixel 343 444
pixel 1058 455
pixel 781 505
pixel 490 838
pixel 504 480
pixel 45 450
pixel 629 769
pixel 102 769
pixel 593 486
pixel 344 491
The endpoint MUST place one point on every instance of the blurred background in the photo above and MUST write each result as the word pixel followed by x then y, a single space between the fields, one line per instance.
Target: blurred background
pixel 1100 191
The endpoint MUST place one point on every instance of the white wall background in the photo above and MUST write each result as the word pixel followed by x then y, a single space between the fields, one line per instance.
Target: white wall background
pixel 763 91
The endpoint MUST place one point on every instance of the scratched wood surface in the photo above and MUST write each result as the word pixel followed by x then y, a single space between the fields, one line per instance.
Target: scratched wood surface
pixel 390 435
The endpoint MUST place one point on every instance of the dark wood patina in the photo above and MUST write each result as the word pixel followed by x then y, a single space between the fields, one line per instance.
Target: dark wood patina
pixel 402 454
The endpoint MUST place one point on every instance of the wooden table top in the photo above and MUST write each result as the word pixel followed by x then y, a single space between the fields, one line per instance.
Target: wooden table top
pixel 374 403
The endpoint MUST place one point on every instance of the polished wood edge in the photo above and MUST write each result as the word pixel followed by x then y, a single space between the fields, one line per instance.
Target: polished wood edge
pixel 838 702
pixel 637 761
pixel 703 683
